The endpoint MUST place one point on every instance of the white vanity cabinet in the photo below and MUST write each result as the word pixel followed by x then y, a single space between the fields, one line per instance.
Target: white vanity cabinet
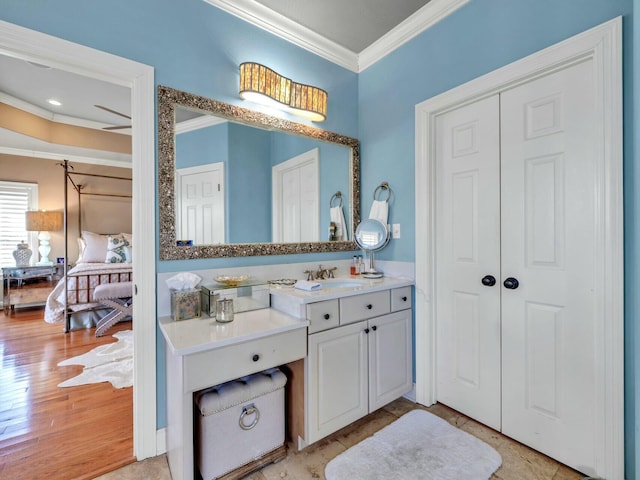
pixel 201 353
pixel 360 365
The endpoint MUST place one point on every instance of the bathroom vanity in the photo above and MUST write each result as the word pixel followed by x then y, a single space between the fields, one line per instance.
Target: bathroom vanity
pixel 359 352
pixel 347 350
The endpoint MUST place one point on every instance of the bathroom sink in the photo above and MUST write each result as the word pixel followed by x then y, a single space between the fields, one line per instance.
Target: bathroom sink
pixel 342 283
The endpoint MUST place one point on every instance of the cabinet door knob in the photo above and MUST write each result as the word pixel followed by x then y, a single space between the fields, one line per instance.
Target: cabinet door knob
pixel 404 299
pixel 374 328
pixel 366 330
pixel 327 316
pixel 488 280
pixel 256 357
pixel 369 307
pixel 511 283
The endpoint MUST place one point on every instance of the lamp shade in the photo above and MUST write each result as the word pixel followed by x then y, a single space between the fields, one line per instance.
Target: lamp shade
pixel 262 85
pixel 39 221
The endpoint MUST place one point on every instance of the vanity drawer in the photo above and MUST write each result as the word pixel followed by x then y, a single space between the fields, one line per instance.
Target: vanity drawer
pixel 323 315
pixel 367 305
pixel 400 299
pixel 206 369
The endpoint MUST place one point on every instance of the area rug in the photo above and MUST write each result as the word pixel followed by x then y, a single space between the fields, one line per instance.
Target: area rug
pixel 106 363
pixel 417 446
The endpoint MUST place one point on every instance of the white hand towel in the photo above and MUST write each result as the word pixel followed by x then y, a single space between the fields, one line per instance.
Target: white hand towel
pixel 307 285
pixel 379 211
pixel 337 217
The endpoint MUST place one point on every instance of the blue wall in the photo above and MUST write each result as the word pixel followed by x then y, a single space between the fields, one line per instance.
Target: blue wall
pixel 196 47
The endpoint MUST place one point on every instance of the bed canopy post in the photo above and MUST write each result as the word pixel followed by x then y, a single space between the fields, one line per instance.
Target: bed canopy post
pixel 66 167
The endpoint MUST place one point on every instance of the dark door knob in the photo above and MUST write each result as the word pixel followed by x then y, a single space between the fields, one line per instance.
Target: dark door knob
pixel 488 280
pixel 327 316
pixel 366 330
pixel 511 283
pixel 255 357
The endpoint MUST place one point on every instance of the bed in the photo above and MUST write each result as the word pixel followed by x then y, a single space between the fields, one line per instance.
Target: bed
pixel 102 259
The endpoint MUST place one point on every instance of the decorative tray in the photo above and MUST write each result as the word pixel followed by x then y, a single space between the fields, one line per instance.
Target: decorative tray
pixel 231 281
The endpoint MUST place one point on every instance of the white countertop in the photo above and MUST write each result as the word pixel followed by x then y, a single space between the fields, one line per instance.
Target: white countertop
pixel 328 293
pixel 186 337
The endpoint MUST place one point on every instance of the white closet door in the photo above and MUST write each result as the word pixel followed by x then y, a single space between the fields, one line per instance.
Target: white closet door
pixel 549 325
pixel 200 198
pixel 468 249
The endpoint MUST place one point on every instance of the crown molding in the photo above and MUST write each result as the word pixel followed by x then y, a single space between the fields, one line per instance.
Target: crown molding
pixel 56 117
pixel 23 152
pixel 198 123
pixel 279 25
pixel 427 16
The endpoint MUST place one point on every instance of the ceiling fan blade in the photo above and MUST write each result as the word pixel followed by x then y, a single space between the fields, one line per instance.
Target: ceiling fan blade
pixel 119 127
pixel 112 111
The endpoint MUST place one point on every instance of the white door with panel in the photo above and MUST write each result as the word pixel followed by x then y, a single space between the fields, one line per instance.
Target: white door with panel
pixel 538 242
pixel 295 199
pixel 468 245
pixel 200 208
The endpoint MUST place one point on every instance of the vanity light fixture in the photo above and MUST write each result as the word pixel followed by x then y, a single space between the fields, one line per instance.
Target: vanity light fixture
pixel 262 85
pixel 54 102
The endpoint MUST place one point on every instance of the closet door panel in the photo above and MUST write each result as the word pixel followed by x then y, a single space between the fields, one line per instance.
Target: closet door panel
pixel 468 249
pixel 549 245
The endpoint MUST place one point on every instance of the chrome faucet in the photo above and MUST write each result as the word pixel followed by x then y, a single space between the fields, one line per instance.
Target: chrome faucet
pixel 320 274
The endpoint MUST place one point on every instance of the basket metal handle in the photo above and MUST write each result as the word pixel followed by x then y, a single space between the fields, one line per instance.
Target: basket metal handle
pixel 247 410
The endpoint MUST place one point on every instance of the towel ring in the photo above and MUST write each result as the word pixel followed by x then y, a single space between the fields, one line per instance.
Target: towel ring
pixel 380 188
pixel 336 196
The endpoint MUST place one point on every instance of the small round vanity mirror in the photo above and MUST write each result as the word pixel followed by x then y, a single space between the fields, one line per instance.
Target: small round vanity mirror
pixel 372 235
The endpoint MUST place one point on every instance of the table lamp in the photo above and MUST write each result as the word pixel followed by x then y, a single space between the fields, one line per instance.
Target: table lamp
pixel 43 222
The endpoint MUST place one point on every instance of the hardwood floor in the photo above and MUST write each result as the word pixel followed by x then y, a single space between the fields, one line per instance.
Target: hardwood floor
pixel 51 432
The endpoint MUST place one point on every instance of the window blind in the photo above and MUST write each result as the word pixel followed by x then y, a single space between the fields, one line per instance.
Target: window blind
pixel 15 199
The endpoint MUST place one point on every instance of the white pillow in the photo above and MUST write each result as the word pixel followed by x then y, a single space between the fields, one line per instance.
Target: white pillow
pixel 116 249
pixel 95 250
pixel 81 246
pixel 128 237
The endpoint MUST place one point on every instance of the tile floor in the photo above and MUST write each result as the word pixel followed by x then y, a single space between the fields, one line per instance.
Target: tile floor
pixel 518 462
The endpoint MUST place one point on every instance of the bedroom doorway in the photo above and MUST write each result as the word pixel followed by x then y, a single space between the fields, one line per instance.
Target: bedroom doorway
pixel 48 51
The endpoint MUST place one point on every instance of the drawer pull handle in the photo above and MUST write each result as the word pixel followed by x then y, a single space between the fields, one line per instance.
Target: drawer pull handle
pixel 374 328
pixel 404 299
pixel 369 307
pixel 256 357
pixel 246 411
pixel 327 316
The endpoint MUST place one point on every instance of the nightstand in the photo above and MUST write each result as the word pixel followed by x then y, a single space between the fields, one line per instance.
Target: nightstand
pixel 29 285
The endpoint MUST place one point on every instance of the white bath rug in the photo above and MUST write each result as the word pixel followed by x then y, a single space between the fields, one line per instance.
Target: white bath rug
pixel 106 363
pixel 417 446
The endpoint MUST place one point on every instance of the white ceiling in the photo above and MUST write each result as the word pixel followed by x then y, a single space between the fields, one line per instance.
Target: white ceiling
pixel 351 33
pixel 353 24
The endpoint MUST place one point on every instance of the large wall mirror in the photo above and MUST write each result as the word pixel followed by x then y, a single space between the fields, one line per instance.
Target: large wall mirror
pixel 235 182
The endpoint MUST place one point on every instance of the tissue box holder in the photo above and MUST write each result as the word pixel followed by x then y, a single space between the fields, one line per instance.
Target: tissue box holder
pixel 222 444
pixel 185 304
pixel 245 297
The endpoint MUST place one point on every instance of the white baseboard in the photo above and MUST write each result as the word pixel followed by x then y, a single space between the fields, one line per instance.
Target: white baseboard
pixel 161 440
pixel 411 395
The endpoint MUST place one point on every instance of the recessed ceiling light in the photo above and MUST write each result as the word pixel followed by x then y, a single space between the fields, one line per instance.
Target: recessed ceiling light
pixel 54 102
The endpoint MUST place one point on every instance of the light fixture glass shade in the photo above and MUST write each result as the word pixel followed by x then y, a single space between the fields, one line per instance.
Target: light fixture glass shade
pixel 262 85
pixel 43 222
